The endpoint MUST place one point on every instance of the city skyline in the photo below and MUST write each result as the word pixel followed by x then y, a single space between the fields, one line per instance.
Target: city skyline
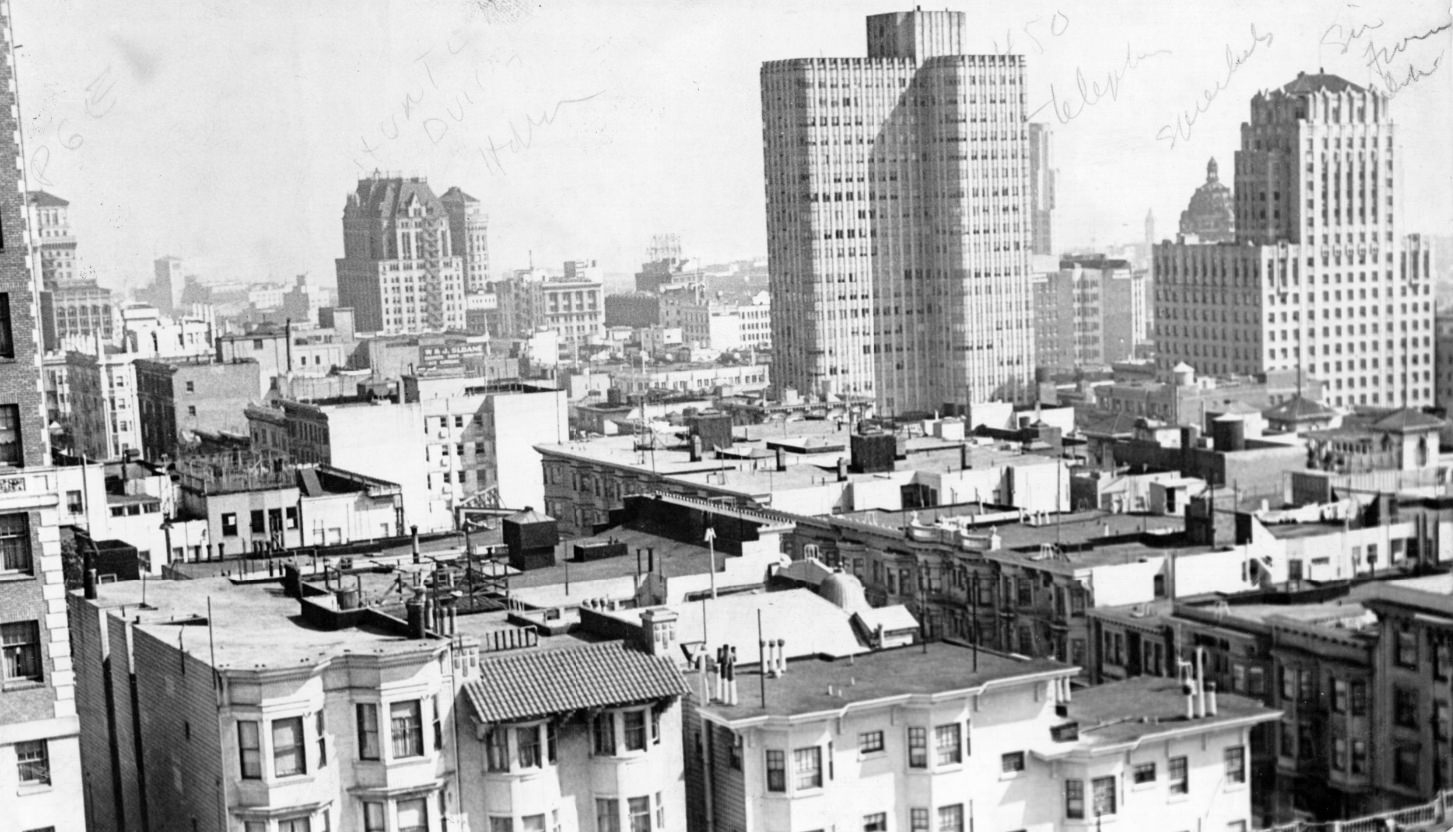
pixel 561 121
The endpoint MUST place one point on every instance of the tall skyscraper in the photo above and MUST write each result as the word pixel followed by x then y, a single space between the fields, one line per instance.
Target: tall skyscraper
pixel 898 226
pixel 469 236
pixel 398 272
pixel 1211 214
pixel 39 729
pixel 1041 189
pixel 54 240
pixel 1318 274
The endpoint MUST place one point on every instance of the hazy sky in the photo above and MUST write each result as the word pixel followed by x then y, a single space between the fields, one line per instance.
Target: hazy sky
pixel 229 133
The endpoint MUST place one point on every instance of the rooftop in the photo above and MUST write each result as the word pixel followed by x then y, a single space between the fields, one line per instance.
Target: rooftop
pixel 1146 708
pixel 879 679
pixel 732 619
pixel 1319 82
pixel 537 683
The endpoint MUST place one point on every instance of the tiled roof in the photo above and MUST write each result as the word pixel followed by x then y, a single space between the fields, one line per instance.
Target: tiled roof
pixel 41 199
pixel 1320 82
pixel 538 683
pixel 455 194
pixel 1298 408
pixel 1407 419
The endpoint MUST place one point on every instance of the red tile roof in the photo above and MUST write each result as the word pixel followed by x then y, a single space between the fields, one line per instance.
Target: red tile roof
pixel 537 683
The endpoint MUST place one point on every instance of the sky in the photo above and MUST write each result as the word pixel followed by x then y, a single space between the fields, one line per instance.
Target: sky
pixel 229 134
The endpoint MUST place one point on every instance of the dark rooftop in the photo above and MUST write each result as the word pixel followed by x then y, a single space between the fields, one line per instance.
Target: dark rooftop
pixel 1319 82
pixel 938 668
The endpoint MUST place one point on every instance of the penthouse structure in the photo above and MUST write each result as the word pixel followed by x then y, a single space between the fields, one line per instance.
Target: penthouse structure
pixel 898 219
pixel 1318 275
pixel 398 271
pixel 468 237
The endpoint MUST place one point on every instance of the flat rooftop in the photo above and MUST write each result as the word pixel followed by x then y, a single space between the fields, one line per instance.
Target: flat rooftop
pixel 253 626
pixel 919 670
pixel 1142 708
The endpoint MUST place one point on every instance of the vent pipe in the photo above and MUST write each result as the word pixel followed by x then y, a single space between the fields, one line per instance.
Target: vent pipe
pixel 414 534
pixel 415 609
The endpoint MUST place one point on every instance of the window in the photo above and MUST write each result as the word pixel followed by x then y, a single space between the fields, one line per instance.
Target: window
pixel 7 333
pixel 229 524
pixel 870 742
pixel 951 818
pixel 1359 757
pixel 367 730
pixel 1074 799
pixel 1235 759
pixel 21 642
pixel 414 815
pixel 1407 649
pixel 33 761
pixel 373 817
pixel 1143 773
pixel 607 815
pixel 501 824
pixel 322 727
pixel 876 822
pixel 528 740
pixel 254 826
pixel 532 823
pixel 15 544
pixel 249 749
pixel 1405 766
pixel 776 770
pixel 807 768
pixel 497 750
pixel 947 748
pixel 1180 782
pixel 1405 707
pixel 660 812
pixel 191 387
pixel 917 747
pixel 639 809
pixel 1236 826
pixel 603 730
pixel 302 824
pixel 10 435
pixel 1012 762
pixel 1339 695
pixel 1339 753
pixel 407 729
pixel 635 730
pixel 1359 697
pixel 75 502
pixel 918 820
pixel 288 755
pixel 1104 795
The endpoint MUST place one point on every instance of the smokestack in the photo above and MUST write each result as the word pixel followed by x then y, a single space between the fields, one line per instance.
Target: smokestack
pixel 414 533
pixel 696 449
pixel 1200 681
pixel 842 469
pixel 415 609
pixel 964 457
pixel 781 459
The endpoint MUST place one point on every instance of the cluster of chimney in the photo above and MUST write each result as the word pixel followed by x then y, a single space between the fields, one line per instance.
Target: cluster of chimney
pixel 425 612
pixel 718 675
pixel 774 657
pixel 1200 693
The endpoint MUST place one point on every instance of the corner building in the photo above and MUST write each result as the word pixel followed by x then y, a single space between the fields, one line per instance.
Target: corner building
pixel 1317 275
pixel 898 226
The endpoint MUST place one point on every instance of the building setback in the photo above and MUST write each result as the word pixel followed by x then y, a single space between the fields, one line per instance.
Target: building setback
pixel 898 227
pixel 1317 275
pixel 468 237
pixel 398 271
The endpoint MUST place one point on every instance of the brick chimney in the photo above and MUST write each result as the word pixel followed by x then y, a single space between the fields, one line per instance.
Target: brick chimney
pixel 658 629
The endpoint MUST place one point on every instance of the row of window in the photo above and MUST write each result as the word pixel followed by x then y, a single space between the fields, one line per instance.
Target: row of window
pixel 1104 791
pixel 287 742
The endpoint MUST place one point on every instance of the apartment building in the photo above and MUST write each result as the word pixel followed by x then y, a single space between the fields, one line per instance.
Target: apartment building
pixel 398 271
pixel 1093 312
pixel 949 738
pixel 1318 275
pixel 338 701
pixel 468 236
pixel 281 350
pixel 573 304
pixel 40 755
pixel 176 399
pixel 870 296
pixel 452 439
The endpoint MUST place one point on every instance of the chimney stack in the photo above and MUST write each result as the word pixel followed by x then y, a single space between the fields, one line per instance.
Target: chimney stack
pixel 781 459
pixel 842 469
pixel 1200 681
pixel 415 610
pixel 88 573
pixel 1210 698
pixel 414 533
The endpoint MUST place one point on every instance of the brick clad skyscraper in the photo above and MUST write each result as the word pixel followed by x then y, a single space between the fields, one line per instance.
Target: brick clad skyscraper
pixel 1318 274
pixel 898 225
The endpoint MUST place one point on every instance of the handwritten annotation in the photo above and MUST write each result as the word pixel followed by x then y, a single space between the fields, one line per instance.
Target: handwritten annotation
pixel 1180 129
pixel 99 102
pixel 1088 93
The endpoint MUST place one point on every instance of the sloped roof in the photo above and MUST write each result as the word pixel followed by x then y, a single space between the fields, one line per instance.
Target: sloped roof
pixel 41 199
pixel 1297 409
pixel 538 683
pixel 1407 419
pixel 454 194
pixel 386 197
pixel 1319 82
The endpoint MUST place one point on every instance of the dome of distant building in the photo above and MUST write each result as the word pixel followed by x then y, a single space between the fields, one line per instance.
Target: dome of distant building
pixel 1211 216
pixel 844 590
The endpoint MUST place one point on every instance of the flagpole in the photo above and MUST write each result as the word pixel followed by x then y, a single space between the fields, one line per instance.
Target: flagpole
pixel 711 553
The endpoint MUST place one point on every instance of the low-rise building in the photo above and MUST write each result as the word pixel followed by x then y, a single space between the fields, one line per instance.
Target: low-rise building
pixel 951 738
pixel 177 398
pixel 280 350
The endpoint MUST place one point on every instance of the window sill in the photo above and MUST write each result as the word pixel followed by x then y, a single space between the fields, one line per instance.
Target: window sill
pixel 1141 787
pixel 1010 775
pixel 28 789
pixel 23 684
pixel 1178 798
pixel 16 576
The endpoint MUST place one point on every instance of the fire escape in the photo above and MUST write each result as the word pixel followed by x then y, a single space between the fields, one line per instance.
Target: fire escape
pixel 432 289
